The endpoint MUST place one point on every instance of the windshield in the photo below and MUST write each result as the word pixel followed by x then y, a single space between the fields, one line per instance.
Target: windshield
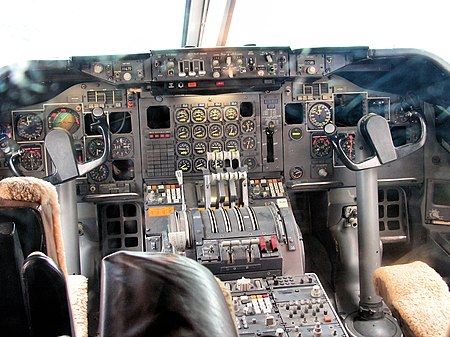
pixel 47 29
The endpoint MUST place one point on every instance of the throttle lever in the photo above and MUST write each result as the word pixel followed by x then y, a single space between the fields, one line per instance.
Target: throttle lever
pixel 374 129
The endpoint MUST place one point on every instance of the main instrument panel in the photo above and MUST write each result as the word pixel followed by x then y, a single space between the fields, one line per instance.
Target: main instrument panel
pixel 168 109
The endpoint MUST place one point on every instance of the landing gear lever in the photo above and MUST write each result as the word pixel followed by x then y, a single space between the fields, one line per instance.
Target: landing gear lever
pixel 270 130
pixel 374 148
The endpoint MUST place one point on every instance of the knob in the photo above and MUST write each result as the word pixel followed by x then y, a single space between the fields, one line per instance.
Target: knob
pixel 127 76
pixel 323 172
pixel 228 60
pixel 216 74
pixel 311 70
pixel 279 332
pixel 315 291
pixel 215 63
pixel 170 64
pixel 98 68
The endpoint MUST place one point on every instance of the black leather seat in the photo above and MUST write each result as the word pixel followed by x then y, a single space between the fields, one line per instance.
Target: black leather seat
pixel 33 296
pixel 146 294
pixel 46 300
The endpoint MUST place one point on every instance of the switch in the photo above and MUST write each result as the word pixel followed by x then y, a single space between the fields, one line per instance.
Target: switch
pixel 315 291
pixel 279 332
pixel 243 284
pixel 270 320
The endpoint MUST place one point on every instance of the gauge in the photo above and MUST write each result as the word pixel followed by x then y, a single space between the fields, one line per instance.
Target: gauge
pixel 296 172
pixel 198 115
pixel 319 115
pixel 215 115
pixel 348 146
pixel 200 148
pixel 200 164
pixel 184 149
pixel 231 114
pixel 248 126
pixel 121 147
pixel 31 158
pixel 199 132
pixel 29 126
pixel 215 131
pixel 65 118
pixel 250 163
pixel 184 165
pixel 231 130
pixel 321 146
pixel 295 133
pixel 249 143
pixel 232 146
pixel 216 146
pixel 96 147
pixel 215 164
pixel 183 132
pixel 401 116
pixel 182 115
pixel 100 173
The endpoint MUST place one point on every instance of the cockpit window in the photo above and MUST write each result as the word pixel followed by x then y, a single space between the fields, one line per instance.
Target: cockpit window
pixel 47 30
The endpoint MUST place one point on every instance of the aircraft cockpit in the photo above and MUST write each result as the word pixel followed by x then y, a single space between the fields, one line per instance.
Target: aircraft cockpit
pixel 304 184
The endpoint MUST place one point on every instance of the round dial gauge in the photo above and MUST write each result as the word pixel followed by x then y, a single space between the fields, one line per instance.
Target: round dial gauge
pixel 249 143
pixel 295 133
pixel 348 145
pixel 198 115
pixel 200 164
pixel 96 148
pixel 29 126
pixel 200 148
pixel 182 115
pixel 319 115
pixel 250 163
pixel 215 164
pixel 215 115
pixel 231 130
pixel 121 147
pixel 216 146
pixel 184 149
pixel 183 132
pixel 248 126
pixel 296 172
pixel 215 131
pixel 231 114
pixel 184 165
pixel 100 173
pixel 31 158
pixel 199 132
pixel 232 146
pixel 321 146
pixel 65 118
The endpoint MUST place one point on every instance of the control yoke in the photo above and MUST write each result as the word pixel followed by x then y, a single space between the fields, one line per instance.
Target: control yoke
pixel 60 146
pixel 375 131
pixel 375 148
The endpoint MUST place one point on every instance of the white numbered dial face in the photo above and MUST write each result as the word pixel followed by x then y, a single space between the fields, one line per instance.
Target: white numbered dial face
pixel 121 147
pixel 319 115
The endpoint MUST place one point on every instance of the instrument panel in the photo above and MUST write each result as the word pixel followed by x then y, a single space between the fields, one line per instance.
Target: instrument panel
pixel 168 109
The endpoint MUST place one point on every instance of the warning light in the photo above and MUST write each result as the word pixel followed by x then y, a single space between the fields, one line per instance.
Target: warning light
pixel 220 84
pixel 192 84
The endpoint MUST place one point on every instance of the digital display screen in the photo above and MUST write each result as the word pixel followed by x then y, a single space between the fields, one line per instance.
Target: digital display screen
pixel 441 194
pixel 348 109
pixel 293 113
pixel 158 117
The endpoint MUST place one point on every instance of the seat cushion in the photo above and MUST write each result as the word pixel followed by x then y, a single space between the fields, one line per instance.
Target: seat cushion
pixel 417 296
